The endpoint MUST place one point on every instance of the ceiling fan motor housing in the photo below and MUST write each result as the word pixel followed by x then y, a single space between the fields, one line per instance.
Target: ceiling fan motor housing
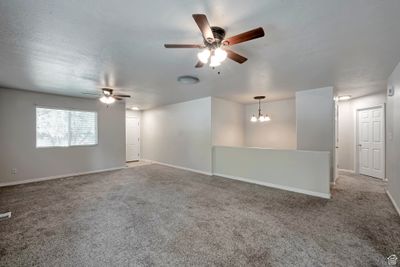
pixel 219 35
pixel 107 91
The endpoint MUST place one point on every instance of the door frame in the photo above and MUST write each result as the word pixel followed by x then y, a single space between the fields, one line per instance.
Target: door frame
pixel 356 152
pixel 336 143
pixel 140 138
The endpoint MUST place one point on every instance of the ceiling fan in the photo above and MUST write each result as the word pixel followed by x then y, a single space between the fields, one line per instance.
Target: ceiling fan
pixel 108 96
pixel 216 46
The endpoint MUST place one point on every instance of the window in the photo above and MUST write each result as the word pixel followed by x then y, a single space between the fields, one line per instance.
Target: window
pixel 63 128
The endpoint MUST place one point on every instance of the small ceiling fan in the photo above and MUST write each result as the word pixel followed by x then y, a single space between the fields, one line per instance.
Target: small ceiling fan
pixel 216 47
pixel 108 96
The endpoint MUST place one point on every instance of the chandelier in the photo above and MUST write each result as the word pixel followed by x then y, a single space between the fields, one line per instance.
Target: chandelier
pixel 260 117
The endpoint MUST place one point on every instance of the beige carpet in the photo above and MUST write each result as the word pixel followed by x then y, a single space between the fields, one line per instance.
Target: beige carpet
pixel 159 216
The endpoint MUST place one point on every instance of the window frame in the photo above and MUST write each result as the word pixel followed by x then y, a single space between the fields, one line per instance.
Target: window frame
pixel 69 127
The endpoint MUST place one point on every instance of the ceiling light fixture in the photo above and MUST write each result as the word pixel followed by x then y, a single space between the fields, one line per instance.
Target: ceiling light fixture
pixel 220 54
pixel 215 43
pixel 187 79
pixel 260 117
pixel 214 62
pixel 204 55
pixel 107 99
pixel 134 108
pixel 216 56
pixel 343 97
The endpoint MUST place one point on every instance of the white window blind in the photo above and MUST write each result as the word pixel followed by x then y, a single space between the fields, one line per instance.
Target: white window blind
pixel 61 127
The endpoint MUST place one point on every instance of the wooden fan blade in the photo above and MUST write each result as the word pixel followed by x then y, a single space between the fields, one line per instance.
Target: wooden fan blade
pixel 204 27
pixel 118 98
pixel 183 46
pixel 245 36
pixel 122 95
pixel 199 64
pixel 235 56
pixel 94 94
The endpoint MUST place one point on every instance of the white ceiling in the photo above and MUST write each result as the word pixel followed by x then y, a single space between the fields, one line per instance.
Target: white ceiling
pixel 70 47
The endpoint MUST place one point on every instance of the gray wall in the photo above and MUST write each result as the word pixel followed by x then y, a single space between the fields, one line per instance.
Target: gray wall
pixel 315 120
pixel 279 133
pixel 347 127
pixel 227 122
pixel 393 137
pixel 18 138
pixel 179 134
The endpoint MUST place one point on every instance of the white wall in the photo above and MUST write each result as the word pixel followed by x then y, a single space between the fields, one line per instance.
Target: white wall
pixel 18 138
pixel 306 172
pixel 133 113
pixel 315 120
pixel 347 127
pixel 393 138
pixel 227 122
pixel 179 134
pixel 279 133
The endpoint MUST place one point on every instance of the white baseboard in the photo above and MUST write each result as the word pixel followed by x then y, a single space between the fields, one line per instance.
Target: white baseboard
pixel 393 202
pixel 345 170
pixel 58 177
pixel 334 182
pixel 283 187
pixel 178 167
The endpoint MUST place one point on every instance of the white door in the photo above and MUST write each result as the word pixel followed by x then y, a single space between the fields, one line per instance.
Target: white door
pixel 132 138
pixel 371 142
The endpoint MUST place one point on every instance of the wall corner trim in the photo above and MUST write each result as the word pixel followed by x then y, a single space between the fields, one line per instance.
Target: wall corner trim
pixel 393 202
pixel 282 187
pixel 34 180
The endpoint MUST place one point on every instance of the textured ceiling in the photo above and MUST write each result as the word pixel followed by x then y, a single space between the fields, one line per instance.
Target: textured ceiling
pixel 71 47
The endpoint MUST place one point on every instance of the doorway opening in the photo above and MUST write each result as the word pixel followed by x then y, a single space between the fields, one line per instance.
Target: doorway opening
pixel 360 130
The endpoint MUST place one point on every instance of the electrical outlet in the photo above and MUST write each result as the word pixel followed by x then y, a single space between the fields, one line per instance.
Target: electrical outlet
pixel 13 171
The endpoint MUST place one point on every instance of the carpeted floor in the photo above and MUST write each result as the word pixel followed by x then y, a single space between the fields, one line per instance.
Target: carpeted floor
pixel 159 216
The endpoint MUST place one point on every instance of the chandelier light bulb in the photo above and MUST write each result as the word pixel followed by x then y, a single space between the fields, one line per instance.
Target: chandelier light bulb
pixel 204 55
pixel 253 119
pixel 267 118
pixel 220 54
pixel 261 118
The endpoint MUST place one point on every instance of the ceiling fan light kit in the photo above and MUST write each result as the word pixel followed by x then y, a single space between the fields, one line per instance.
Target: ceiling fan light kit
pixel 260 117
pixel 204 55
pixel 109 97
pixel 216 47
